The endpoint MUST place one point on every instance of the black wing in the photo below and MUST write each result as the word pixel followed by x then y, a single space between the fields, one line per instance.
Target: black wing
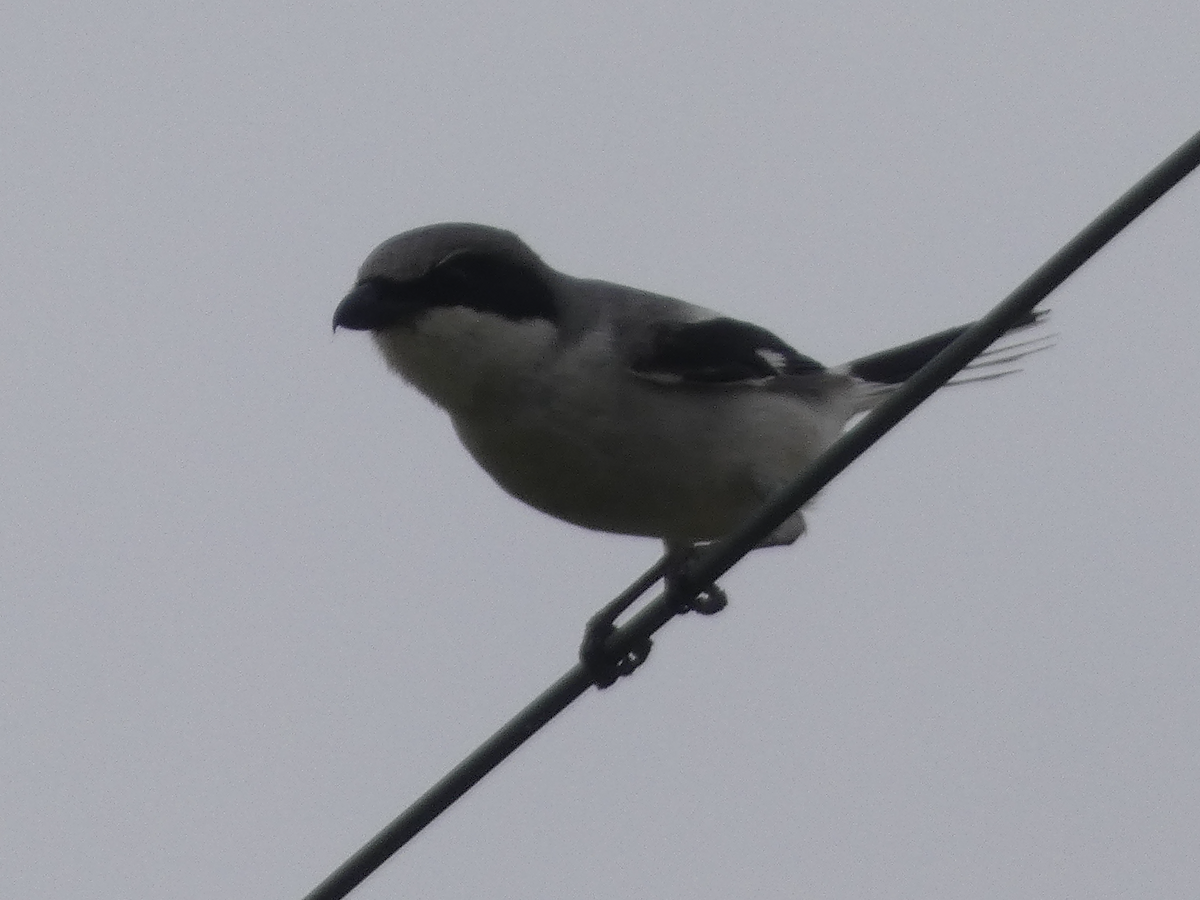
pixel 719 351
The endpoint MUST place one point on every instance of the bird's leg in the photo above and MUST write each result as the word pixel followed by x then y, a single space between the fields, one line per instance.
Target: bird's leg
pixel 682 593
pixel 606 667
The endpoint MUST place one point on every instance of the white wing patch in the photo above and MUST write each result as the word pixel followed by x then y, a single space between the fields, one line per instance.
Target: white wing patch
pixel 657 377
pixel 773 358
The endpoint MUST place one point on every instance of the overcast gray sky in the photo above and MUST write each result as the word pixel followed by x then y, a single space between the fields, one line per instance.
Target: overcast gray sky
pixel 254 598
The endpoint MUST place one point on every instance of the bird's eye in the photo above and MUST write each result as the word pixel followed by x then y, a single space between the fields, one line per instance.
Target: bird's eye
pixel 463 266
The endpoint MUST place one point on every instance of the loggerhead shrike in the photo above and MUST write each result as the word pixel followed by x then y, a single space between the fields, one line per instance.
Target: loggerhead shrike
pixel 607 406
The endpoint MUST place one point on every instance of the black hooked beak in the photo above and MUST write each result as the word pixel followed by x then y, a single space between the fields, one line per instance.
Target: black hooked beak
pixel 373 306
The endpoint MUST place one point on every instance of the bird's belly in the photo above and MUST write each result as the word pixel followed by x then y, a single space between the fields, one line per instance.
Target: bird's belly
pixel 682 475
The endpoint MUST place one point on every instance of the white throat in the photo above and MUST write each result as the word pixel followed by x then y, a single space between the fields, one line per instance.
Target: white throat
pixel 461 357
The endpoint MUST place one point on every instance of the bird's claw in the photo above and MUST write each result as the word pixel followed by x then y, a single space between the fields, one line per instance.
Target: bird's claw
pixel 709 601
pixel 603 666
pixel 685 597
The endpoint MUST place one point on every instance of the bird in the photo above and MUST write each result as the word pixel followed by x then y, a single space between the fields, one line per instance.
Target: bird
pixel 613 408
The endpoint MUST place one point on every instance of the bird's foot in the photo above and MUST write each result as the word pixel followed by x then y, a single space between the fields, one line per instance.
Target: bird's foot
pixel 605 665
pixel 602 664
pixel 682 593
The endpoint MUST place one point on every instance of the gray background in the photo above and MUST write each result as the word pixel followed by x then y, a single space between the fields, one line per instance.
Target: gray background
pixel 254 598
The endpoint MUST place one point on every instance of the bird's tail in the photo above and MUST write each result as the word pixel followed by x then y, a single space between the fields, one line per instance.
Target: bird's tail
pixel 883 372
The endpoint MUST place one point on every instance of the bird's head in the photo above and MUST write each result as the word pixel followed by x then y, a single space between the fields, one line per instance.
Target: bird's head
pixel 459 310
